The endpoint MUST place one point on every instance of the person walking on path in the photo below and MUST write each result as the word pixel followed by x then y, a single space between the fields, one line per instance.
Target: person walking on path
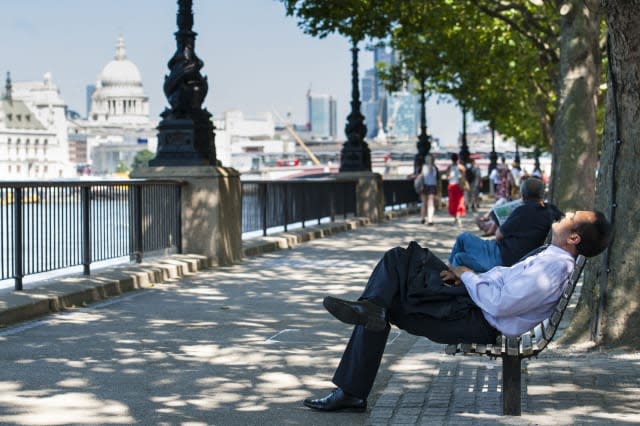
pixel 455 190
pixel 414 290
pixel 473 177
pixel 524 230
pixel 503 179
pixel 429 190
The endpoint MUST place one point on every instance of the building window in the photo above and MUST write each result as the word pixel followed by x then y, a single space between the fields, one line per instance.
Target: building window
pixel 46 142
pixel 9 141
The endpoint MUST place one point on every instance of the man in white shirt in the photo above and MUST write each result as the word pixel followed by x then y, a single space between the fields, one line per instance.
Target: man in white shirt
pixel 418 293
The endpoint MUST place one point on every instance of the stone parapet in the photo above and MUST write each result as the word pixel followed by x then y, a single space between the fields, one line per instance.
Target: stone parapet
pixel 211 209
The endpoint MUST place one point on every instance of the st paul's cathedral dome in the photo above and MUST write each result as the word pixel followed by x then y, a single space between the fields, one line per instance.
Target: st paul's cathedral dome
pixel 119 97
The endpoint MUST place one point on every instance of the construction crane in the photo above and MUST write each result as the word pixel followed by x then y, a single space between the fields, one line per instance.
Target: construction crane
pixel 304 146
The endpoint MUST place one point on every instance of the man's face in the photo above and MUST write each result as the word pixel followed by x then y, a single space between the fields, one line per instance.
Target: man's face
pixel 563 228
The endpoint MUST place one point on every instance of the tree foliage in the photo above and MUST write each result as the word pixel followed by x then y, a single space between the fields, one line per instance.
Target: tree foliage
pixel 355 19
pixel 142 159
pixel 483 58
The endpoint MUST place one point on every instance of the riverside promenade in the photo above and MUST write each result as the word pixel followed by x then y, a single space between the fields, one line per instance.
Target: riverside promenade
pixel 245 344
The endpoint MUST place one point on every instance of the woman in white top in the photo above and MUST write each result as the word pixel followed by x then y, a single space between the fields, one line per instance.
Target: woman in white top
pixel 429 190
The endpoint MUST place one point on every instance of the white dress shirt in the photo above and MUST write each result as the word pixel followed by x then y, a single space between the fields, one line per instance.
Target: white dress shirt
pixel 514 299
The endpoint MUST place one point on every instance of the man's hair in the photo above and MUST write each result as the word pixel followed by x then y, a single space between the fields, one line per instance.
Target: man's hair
pixel 454 157
pixel 594 236
pixel 532 189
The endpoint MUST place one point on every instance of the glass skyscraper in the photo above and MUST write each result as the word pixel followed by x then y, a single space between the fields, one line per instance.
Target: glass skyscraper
pixel 403 112
pixel 322 111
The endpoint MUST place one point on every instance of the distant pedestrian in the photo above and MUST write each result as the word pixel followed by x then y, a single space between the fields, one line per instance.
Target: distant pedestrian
pixel 455 190
pixel 429 190
pixel 474 185
pixel 504 181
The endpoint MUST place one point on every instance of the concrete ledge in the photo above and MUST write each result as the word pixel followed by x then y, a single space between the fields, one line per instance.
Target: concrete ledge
pixel 286 240
pixel 394 214
pixel 80 290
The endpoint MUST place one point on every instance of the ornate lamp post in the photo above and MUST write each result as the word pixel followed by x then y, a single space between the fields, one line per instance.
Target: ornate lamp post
pixel 464 149
pixel 185 134
pixel 493 156
pixel 355 155
pixel 424 142
pixel 536 154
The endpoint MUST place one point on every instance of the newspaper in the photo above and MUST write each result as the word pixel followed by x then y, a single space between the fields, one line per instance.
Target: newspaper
pixel 502 211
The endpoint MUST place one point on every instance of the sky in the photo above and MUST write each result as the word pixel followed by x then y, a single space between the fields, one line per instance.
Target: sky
pixel 255 58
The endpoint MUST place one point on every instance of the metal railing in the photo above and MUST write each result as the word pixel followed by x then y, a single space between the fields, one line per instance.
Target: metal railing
pixel 273 205
pixel 399 193
pixel 46 226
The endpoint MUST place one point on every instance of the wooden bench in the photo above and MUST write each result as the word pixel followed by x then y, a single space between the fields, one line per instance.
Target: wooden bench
pixel 513 349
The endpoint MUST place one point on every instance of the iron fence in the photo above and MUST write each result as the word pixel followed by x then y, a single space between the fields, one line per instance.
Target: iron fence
pixel 45 226
pixel 399 193
pixel 272 205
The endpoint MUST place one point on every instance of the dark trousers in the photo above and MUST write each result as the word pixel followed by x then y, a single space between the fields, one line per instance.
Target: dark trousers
pixel 361 359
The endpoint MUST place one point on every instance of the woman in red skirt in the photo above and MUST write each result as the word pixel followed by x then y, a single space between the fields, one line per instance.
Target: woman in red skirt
pixel 455 190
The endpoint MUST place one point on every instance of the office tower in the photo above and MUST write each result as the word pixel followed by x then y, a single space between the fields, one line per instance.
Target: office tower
pixel 403 112
pixel 322 116
pixel 374 94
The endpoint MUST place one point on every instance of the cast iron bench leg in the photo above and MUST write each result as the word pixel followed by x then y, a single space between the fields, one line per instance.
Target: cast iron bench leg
pixel 511 385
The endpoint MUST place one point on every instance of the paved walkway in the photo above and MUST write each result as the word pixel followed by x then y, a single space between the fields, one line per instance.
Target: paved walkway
pixel 243 345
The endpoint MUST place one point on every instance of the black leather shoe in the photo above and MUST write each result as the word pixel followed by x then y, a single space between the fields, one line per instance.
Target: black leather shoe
pixel 362 312
pixel 337 400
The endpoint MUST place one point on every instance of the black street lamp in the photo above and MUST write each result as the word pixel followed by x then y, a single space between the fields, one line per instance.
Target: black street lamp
pixel 464 149
pixel 493 156
pixel 424 141
pixel 517 157
pixel 536 164
pixel 185 134
pixel 355 155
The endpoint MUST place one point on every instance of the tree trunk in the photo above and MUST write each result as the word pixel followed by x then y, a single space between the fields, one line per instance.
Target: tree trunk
pixel 609 310
pixel 574 150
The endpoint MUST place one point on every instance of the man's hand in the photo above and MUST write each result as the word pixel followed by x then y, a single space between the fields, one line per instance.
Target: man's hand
pixel 451 276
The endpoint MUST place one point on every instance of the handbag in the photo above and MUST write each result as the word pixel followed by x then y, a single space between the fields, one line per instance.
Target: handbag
pixel 418 183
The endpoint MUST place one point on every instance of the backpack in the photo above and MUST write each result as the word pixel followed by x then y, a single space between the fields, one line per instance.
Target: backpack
pixel 469 174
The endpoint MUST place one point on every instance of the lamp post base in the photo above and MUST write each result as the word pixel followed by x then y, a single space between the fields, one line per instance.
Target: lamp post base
pixel 182 142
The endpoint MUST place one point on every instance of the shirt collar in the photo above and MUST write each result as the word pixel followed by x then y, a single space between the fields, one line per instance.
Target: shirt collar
pixel 557 251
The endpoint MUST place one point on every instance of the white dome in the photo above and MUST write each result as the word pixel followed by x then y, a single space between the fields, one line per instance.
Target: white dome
pixel 119 97
pixel 120 71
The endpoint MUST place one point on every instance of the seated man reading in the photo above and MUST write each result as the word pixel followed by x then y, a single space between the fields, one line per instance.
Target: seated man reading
pixel 524 230
pixel 415 291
